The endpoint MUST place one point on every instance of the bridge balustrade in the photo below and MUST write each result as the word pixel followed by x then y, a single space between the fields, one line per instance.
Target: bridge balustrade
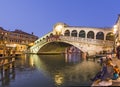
pixel 41 42
pixel 71 39
pixel 77 39
pixel 86 40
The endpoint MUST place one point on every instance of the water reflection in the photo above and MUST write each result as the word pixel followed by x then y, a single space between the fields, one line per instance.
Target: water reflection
pixel 7 76
pixel 59 79
pixel 53 70
pixel 72 57
pixel 70 69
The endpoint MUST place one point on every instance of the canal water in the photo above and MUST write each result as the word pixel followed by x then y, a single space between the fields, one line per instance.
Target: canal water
pixel 51 71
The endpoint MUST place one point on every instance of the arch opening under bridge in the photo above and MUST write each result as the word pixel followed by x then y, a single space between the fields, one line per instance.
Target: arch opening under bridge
pixel 58 47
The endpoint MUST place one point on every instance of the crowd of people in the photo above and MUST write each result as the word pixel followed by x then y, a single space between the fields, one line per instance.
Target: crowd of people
pixel 118 52
pixel 109 69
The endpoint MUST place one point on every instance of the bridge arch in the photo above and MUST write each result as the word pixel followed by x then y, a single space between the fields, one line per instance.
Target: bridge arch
pixel 110 36
pixel 64 42
pixel 51 34
pixel 67 33
pixel 100 35
pixel 90 34
pixel 74 33
pixel 82 34
pixel 37 49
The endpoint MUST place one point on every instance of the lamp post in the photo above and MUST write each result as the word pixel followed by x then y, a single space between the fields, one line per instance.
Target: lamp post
pixel 58 29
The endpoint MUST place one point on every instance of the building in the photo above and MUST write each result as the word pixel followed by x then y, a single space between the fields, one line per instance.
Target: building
pixel 117 31
pixel 88 39
pixel 15 41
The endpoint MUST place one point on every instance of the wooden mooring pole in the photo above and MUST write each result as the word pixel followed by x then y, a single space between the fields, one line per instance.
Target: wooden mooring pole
pixel 7 68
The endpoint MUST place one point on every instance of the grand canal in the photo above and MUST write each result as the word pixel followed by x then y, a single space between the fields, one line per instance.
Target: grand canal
pixel 51 71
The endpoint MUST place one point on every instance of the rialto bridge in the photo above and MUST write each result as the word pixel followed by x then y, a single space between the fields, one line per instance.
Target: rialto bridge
pixel 86 39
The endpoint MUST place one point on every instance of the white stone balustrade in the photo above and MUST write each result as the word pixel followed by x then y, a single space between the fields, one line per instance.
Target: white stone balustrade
pixel 76 41
pixel 86 40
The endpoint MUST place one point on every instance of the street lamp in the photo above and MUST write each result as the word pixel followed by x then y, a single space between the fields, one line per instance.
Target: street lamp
pixel 58 29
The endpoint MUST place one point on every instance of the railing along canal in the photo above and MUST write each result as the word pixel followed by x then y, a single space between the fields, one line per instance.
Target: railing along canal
pixel 7 67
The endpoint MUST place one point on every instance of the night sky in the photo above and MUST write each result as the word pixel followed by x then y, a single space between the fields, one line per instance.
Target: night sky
pixel 39 16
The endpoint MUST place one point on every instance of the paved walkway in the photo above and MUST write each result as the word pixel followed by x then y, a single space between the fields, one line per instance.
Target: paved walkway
pixel 116 61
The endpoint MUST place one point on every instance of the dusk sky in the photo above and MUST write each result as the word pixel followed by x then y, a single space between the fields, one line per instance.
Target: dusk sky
pixel 39 16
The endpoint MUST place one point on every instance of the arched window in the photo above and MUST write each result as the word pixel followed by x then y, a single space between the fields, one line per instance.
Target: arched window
pixel 100 36
pixel 82 34
pixel 37 41
pixel 110 36
pixel 51 35
pixel 90 34
pixel 67 33
pixel 74 33
pixel 47 38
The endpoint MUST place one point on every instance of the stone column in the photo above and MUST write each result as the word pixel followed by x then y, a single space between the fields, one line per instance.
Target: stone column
pixel 84 55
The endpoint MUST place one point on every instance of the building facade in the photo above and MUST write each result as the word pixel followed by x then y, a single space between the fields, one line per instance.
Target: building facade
pixel 15 41
pixel 117 28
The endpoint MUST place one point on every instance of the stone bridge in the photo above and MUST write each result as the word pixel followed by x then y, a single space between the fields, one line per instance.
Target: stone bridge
pixel 87 39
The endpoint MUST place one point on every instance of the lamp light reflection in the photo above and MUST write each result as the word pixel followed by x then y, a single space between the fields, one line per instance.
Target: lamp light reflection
pixel 59 79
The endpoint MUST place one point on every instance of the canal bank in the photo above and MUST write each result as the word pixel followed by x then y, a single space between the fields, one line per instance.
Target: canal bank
pixel 109 81
pixel 51 53
pixel 117 62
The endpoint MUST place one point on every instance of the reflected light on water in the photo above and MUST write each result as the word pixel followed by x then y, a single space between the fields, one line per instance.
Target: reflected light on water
pixel 59 79
pixel 54 71
pixel 36 61
pixel 32 61
pixel 72 58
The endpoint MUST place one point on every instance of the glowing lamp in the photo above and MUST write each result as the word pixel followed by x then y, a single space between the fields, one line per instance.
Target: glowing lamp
pixel 58 29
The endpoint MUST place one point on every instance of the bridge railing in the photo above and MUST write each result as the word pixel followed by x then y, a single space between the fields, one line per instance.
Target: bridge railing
pixel 86 40
pixel 41 39
pixel 40 43
pixel 72 39
pixel 77 39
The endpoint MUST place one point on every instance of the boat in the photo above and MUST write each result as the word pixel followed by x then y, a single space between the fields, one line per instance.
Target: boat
pixel 102 83
pixel 116 81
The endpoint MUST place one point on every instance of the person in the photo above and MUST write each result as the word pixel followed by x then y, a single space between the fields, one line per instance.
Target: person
pixel 100 75
pixel 116 73
pixel 118 52
pixel 108 60
pixel 102 59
